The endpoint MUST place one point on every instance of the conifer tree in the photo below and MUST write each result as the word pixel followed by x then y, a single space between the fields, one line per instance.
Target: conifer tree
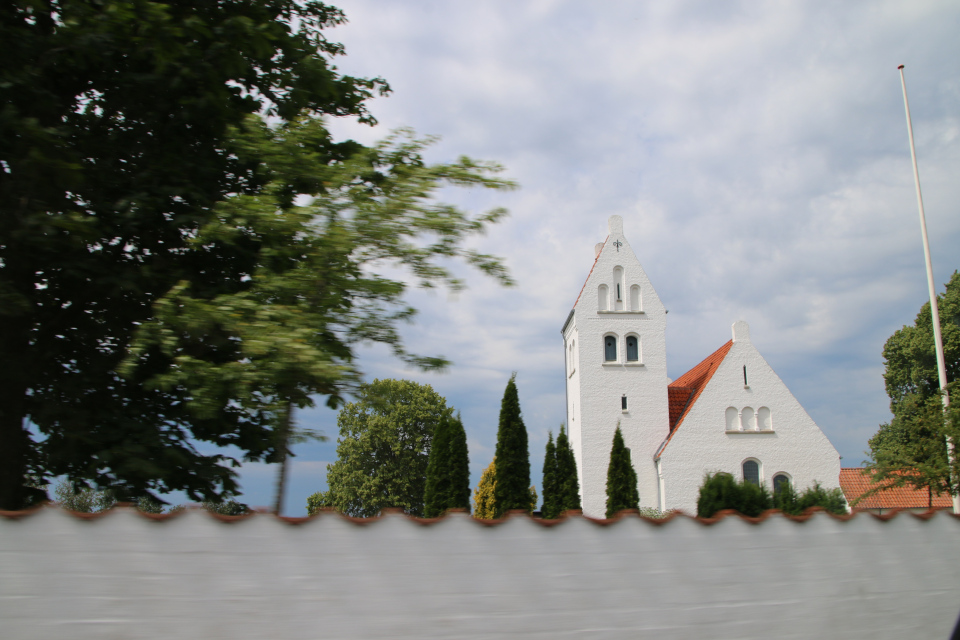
pixel 568 485
pixel 621 478
pixel 551 488
pixel 448 470
pixel 513 455
pixel 484 497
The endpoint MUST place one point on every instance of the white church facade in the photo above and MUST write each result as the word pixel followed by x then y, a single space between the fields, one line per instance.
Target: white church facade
pixel 729 413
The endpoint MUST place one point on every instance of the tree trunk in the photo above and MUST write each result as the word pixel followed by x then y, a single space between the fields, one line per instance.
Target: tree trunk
pixel 282 451
pixel 14 439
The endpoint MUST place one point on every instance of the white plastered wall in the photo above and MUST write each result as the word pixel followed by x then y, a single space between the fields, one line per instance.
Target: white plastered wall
pixel 598 386
pixel 795 446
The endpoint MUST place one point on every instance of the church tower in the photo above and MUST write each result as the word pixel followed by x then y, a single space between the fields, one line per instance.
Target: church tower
pixel 616 371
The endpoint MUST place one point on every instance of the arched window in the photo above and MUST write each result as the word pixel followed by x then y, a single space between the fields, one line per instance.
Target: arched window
pixel 747 420
pixel 764 423
pixel 633 349
pixel 751 472
pixel 732 419
pixel 610 348
pixel 780 481
pixel 635 298
pixel 603 297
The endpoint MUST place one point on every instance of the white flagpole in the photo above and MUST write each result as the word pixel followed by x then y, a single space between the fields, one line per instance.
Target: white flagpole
pixel 935 312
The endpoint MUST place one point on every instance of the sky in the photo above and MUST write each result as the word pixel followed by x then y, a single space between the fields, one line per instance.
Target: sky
pixel 757 152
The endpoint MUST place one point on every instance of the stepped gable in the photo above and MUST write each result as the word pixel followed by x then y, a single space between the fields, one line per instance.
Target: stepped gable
pixel 595 259
pixel 855 481
pixel 683 392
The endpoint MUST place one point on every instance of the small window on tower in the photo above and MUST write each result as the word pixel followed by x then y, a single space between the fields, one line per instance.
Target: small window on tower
pixel 623 403
pixel 633 349
pixel 610 349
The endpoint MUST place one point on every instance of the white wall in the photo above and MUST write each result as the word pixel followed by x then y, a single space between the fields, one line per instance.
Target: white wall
pixel 191 576
pixel 795 445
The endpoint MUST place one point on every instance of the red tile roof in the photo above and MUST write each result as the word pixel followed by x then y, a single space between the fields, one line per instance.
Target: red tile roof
pixel 691 384
pixel 590 274
pixel 678 398
pixel 856 481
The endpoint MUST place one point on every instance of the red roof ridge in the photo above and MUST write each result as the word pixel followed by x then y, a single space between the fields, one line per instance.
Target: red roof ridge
pixel 695 380
pixel 591 273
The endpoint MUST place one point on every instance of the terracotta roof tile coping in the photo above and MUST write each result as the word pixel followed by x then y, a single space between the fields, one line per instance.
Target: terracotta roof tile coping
pixel 627 514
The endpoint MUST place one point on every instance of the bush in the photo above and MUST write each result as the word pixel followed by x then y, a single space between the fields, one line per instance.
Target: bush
pixel 721 491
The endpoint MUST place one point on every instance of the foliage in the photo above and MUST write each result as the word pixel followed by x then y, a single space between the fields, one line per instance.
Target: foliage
pixel 567 482
pixel 787 500
pixel 550 509
pixel 448 469
pixel 164 289
pixel 226 508
pixel 722 491
pixel 82 499
pixel 912 448
pixel 622 492
pixel 113 128
pixel 146 505
pixel 512 455
pixel 383 449
pixel 485 495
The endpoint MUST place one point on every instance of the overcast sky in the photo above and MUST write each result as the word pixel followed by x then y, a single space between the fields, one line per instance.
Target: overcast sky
pixel 757 152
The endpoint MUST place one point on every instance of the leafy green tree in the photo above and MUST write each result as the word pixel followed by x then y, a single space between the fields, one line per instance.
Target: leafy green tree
pixel 383 449
pixel 448 469
pixel 512 455
pixel 113 146
pixel 163 247
pixel 485 495
pixel 911 450
pixel 567 482
pixel 551 490
pixel 622 492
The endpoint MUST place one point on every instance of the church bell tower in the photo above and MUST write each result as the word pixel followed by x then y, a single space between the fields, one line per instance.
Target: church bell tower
pixel 616 371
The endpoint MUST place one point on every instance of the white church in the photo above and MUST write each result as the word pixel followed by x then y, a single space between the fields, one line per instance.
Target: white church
pixel 729 413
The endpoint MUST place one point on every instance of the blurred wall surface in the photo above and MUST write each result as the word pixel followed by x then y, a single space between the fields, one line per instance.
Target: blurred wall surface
pixel 123 575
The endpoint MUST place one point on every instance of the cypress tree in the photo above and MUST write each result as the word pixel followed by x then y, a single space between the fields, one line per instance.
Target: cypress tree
pixel 621 478
pixel 551 488
pixel 567 482
pixel 448 472
pixel 513 455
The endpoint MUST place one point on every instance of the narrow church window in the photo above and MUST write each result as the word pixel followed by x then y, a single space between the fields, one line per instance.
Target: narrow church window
pixel 618 287
pixel 610 349
pixel 745 375
pixel 780 481
pixel 634 298
pixel 623 403
pixel 633 350
pixel 751 472
pixel 603 297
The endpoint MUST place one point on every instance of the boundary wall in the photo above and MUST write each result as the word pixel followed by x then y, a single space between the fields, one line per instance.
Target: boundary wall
pixel 193 575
